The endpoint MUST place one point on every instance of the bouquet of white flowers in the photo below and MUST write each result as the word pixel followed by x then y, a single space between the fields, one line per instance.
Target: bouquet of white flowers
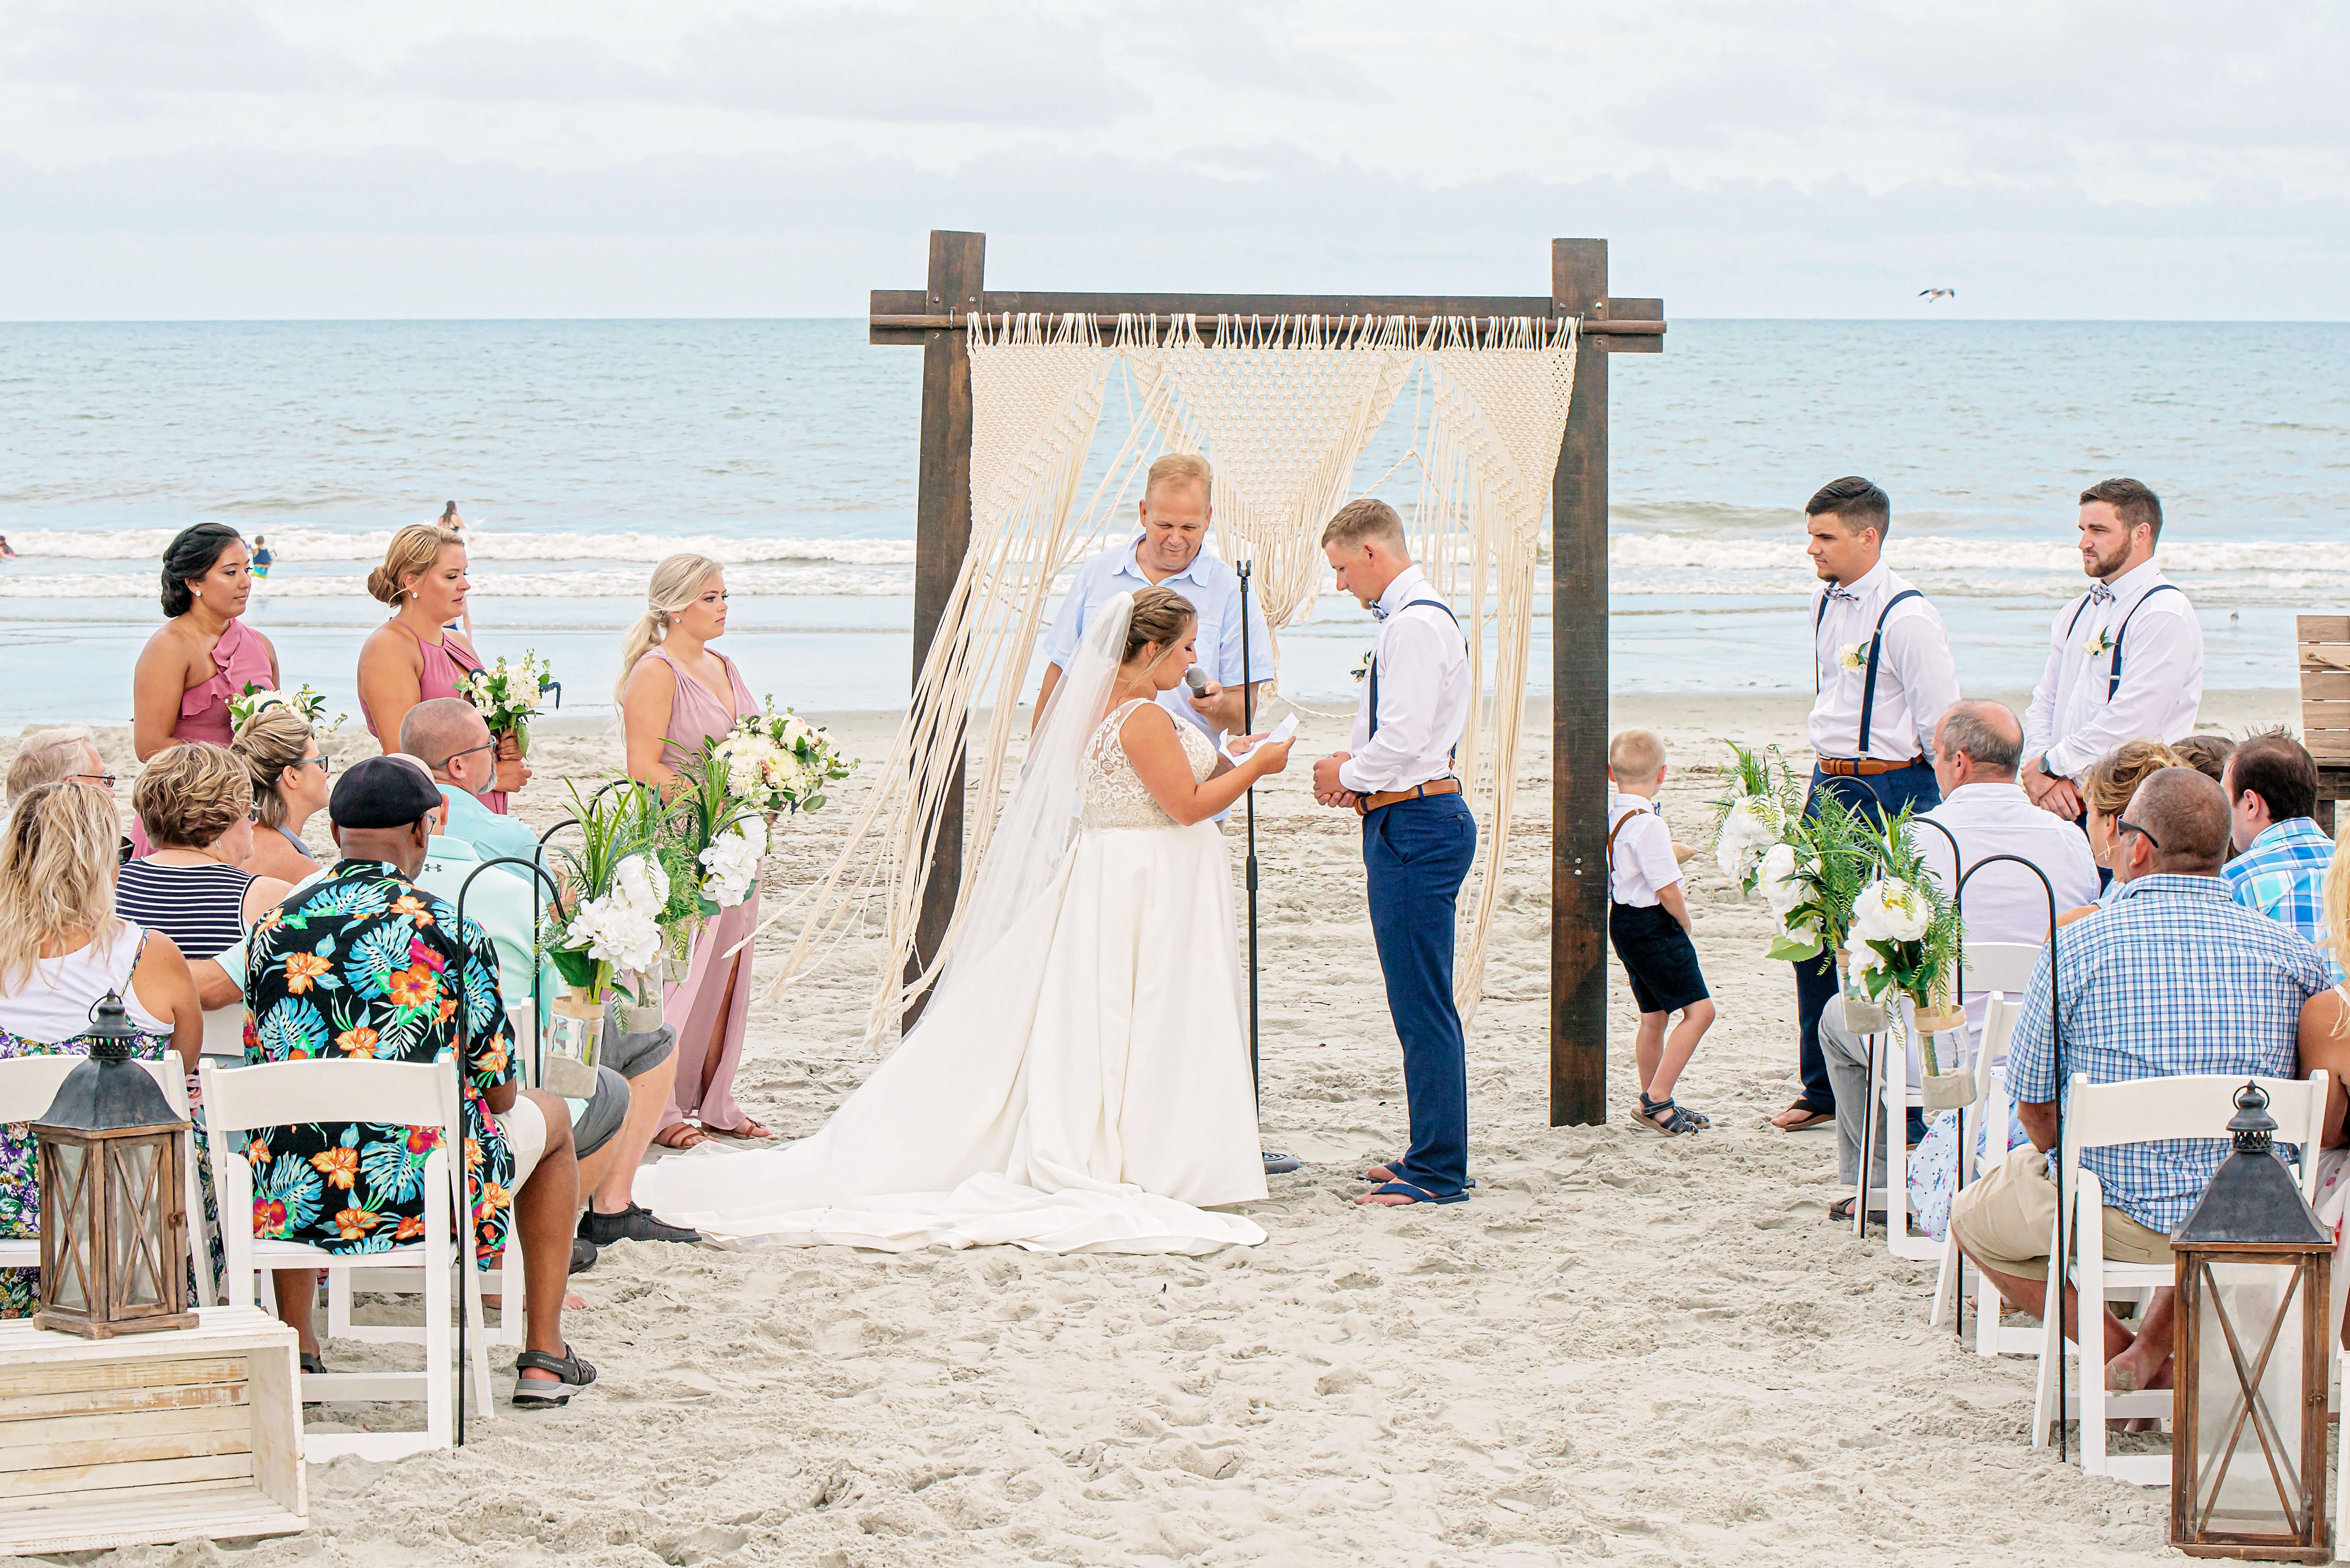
pixel 1905 932
pixel 1764 801
pixel 508 695
pixel 731 862
pixel 305 701
pixel 791 758
pixel 607 927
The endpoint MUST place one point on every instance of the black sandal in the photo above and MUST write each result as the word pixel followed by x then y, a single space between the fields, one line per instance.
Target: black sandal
pixel 1665 1118
pixel 1840 1211
pixel 571 1374
pixel 1649 1107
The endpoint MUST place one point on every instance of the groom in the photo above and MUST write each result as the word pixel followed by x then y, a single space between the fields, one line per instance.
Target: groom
pixel 1418 837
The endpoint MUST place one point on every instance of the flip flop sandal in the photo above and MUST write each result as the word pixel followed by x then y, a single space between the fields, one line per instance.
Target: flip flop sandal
pixel 1807 1121
pixel 1698 1118
pixel 1389 1166
pixel 313 1364
pixel 1414 1194
pixel 1840 1212
pixel 1675 1123
pixel 571 1375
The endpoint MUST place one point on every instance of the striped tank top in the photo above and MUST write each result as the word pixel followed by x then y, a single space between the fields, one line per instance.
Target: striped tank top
pixel 199 907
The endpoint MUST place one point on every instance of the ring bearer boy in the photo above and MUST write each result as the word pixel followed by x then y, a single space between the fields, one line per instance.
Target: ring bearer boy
pixel 1418 837
pixel 1882 676
pixel 2125 660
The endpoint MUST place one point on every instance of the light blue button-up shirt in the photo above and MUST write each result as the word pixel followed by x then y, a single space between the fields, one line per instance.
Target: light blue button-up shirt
pixel 1214 590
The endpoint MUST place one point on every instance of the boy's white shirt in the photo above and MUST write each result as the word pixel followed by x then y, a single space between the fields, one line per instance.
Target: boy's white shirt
pixel 1644 861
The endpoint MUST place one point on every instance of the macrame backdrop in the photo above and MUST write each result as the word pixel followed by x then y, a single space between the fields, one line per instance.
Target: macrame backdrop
pixel 1282 408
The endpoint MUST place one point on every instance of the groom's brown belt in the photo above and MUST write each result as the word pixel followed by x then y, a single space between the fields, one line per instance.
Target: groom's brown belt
pixel 1864 767
pixel 1366 804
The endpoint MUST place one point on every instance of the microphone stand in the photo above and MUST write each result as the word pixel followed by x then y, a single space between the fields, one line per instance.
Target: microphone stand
pixel 1275 1164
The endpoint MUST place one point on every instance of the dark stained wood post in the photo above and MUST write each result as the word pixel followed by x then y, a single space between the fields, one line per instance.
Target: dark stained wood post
pixel 941 536
pixel 1578 766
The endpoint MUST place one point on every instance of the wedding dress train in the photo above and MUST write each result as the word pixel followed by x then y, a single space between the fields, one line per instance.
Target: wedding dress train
pixel 1079 1080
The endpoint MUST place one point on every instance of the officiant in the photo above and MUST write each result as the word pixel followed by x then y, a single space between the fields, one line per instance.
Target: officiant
pixel 1175 515
pixel 1882 677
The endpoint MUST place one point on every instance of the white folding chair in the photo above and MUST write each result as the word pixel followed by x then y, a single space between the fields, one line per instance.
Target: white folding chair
pixel 412 1094
pixel 28 1086
pixel 1993 1114
pixel 2103 1115
pixel 505 1281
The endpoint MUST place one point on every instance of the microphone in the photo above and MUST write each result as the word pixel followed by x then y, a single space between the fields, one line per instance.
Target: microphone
pixel 1196 681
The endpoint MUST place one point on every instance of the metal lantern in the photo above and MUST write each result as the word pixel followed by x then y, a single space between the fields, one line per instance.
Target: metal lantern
pixel 2248 1447
pixel 114 1218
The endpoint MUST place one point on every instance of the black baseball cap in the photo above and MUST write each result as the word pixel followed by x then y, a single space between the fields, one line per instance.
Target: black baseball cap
pixel 392 790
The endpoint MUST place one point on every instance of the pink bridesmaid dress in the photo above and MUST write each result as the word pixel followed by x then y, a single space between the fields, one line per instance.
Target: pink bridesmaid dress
pixel 692 1005
pixel 445 664
pixel 239 658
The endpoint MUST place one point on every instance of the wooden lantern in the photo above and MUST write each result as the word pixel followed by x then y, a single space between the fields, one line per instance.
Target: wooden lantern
pixel 2248 1445
pixel 114 1220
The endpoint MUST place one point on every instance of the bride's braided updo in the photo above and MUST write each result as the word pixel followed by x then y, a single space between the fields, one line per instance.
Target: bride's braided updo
pixel 1161 616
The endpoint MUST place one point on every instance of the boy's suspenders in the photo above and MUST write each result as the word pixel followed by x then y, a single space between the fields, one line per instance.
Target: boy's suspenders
pixel 1875 646
pixel 2115 684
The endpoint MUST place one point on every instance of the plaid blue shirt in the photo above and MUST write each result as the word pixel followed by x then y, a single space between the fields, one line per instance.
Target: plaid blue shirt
pixel 2282 876
pixel 2174 978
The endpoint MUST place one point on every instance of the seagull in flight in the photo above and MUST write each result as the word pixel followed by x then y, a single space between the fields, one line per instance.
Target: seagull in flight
pixel 1938 294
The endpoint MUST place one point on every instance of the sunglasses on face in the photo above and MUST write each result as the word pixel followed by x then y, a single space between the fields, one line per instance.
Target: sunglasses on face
pixel 105 780
pixel 2124 824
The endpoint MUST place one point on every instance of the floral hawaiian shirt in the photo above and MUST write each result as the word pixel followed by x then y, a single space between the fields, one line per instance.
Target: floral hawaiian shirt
pixel 363 962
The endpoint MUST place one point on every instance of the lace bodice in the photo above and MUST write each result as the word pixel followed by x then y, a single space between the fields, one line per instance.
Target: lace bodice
pixel 1113 795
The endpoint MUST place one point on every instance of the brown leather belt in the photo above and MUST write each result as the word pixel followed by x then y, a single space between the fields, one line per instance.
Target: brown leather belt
pixel 1366 804
pixel 1864 767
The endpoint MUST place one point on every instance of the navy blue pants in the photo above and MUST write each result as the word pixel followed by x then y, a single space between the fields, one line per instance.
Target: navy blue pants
pixel 1416 854
pixel 1816 979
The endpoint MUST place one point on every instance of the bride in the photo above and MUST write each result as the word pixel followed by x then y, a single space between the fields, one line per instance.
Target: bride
pixel 1079 1080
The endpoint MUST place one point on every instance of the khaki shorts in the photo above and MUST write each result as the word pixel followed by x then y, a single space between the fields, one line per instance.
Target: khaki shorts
pixel 2004 1220
pixel 525 1125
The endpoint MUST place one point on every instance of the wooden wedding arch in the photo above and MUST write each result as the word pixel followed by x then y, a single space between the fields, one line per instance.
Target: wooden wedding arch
pixel 936 318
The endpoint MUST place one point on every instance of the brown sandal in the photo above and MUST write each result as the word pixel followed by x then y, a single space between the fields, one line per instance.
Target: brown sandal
pixel 1800 1117
pixel 748 1129
pixel 680 1135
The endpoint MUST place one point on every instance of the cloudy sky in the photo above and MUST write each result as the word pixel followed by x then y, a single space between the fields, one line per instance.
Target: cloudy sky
pixel 2051 158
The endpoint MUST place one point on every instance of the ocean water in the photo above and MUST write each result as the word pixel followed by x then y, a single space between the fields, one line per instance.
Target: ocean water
pixel 583 451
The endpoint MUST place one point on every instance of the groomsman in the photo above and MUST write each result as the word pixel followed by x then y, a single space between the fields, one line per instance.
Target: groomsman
pixel 2125 660
pixel 1418 837
pixel 1883 678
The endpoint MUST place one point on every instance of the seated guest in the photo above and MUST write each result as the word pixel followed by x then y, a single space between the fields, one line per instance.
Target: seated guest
pixel 51 756
pixel 2207 755
pixel 289 774
pixel 2172 977
pixel 1976 748
pixel 195 802
pixel 2105 791
pixel 62 949
pixel 454 740
pixel 2282 853
pixel 402 969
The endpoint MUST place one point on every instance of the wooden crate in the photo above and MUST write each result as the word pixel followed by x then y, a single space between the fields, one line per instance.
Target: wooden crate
pixel 2324 667
pixel 152 1437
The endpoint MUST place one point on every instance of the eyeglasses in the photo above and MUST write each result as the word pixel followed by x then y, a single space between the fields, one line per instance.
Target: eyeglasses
pixel 2124 824
pixel 442 765
pixel 323 763
pixel 105 780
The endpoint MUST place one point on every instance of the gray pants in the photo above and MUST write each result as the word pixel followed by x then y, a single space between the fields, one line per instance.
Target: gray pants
pixel 1848 1060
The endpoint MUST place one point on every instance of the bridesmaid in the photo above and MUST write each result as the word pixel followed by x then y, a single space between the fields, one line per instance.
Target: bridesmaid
pixel 414 657
pixel 674 688
pixel 204 654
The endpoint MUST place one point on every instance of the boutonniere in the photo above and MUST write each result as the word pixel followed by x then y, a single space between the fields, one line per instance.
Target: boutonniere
pixel 1362 666
pixel 2101 642
pixel 1853 656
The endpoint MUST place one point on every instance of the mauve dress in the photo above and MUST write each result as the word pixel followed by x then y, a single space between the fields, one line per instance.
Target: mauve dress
pixel 444 662
pixel 239 658
pixel 691 1004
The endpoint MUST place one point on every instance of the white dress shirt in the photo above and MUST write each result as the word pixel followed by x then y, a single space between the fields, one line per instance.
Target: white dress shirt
pixel 1642 863
pixel 1423 685
pixel 2071 722
pixel 2006 903
pixel 1916 678
pixel 1214 590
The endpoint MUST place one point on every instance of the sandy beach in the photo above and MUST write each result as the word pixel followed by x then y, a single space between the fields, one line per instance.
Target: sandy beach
pixel 1624 1348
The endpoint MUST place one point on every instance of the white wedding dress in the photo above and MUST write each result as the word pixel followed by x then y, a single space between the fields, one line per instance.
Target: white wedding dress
pixel 1079 1080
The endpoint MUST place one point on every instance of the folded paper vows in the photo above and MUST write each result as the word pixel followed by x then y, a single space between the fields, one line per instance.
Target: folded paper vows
pixel 1280 732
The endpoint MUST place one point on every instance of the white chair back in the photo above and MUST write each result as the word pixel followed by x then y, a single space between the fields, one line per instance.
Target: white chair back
pixel 2198 1105
pixel 1999 966
pixel 281 1093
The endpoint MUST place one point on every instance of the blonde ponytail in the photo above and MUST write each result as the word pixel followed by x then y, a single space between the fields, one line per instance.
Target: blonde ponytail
pixel 677 582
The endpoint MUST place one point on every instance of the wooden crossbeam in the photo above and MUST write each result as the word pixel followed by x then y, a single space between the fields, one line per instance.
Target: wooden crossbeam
pixel 935 317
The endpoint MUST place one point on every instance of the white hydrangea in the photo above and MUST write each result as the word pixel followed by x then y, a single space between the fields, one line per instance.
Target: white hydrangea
pixel 1781 887
pixel 1890 910
pixel 1754 822
pixel 732 860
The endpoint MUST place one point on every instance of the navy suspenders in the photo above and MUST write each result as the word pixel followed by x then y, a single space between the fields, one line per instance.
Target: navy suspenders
pixel 1875 645
pixel 1433 603
pixel 2115 684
